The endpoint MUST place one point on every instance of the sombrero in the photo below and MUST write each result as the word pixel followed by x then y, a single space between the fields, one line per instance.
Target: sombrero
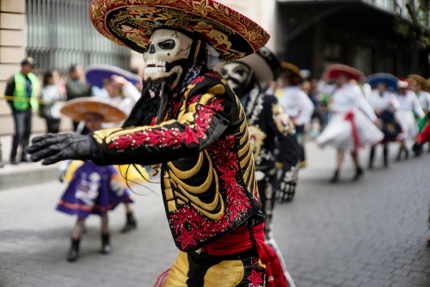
pixel 389 79
pixel 264 63
pixel 420 80
pixel 131 23
pixel 95 74
pixel 76 109
pixel 335 70
pixel 293 73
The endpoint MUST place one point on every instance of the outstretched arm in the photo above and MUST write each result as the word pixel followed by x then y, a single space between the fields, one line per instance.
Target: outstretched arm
pixel 201 121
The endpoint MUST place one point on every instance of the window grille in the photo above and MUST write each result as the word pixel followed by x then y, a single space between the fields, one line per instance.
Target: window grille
pixel 60 33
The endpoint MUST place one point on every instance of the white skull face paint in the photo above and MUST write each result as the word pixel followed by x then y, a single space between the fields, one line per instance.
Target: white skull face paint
pixel 166 54
pixel 236 74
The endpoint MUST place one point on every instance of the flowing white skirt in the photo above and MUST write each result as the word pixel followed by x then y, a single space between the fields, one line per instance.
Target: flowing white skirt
pixel 407 122
pixel 339 134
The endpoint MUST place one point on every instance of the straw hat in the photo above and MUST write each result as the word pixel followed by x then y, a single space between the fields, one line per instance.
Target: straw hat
pixel 131 23
pixel 335 70
pixel 76 109
pixel 420 80
pixel 293 73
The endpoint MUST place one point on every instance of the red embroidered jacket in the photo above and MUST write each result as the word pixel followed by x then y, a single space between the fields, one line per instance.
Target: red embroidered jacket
pixel 208 177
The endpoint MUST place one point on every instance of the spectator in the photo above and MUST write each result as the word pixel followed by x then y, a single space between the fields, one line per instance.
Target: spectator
pixel 52 95
pixel 22 89
pixel 76 87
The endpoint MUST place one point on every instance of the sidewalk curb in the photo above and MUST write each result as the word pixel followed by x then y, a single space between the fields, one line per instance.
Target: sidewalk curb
pixel 27 176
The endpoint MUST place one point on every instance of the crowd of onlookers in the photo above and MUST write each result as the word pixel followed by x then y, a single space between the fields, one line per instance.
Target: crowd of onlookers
pixel 25 93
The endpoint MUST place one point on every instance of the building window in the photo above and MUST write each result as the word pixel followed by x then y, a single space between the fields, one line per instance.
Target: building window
pixel 60 33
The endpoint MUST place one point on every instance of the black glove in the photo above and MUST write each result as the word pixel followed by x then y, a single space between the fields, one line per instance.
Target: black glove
pixel 285 191
pixel 56 147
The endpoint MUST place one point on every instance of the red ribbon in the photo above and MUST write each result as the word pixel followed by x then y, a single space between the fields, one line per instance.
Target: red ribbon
pixel 350 117
pixel 240 240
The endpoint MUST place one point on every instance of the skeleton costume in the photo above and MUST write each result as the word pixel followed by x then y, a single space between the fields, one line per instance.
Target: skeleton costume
pixel 189 122
pixel 270 129
pixel 297 104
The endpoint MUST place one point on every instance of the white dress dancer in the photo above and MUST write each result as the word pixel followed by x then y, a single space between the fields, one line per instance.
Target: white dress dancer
pixel 405 114
pixel 409 105
pixel 385 105
pixel 351 124
pixel 349 128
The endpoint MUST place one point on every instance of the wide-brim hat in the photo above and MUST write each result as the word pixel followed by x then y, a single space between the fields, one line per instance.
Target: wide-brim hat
pixel 76 109
pixel 335 70
pixel 265 64
pixel 131 23
pixel 293 73
pixel 388 79
pixel 420 80
pixel 96 74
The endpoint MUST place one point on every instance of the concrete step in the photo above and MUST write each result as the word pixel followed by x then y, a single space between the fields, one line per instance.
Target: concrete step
pixel 23 174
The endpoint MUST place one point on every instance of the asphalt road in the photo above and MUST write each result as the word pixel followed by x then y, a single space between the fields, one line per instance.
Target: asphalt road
pixel 369 233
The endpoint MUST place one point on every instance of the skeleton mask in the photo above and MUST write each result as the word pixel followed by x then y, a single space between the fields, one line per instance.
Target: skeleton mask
pixel 237 75
pixel 167 54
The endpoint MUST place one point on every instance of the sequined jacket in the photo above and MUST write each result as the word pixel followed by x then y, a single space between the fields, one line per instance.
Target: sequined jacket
pixel 272 134
pixel 208 178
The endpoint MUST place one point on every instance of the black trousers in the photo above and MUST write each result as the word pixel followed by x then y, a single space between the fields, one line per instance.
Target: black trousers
pixel 22 121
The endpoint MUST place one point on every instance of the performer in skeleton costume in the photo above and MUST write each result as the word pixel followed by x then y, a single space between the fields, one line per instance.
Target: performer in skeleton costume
pixel 269 127
pixel 296 103
pixel 189 122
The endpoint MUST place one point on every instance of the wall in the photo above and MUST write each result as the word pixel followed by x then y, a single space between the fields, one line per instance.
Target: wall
pixel 12 51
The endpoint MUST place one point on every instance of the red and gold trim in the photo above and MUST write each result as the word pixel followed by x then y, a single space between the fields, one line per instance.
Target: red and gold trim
pixel 131 23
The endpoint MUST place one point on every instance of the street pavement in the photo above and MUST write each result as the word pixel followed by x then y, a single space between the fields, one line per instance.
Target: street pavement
pixel 369 233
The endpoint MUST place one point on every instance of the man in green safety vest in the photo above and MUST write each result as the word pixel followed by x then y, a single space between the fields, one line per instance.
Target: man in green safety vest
pixel 22 89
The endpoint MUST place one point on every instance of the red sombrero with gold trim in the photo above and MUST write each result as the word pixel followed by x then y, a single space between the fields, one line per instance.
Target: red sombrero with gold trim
pixel 131 23
pixel 76 109
pixel 335 70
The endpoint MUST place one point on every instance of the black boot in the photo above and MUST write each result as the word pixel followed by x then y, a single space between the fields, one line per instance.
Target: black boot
pixel 406 153
pixel 73 251
pixel 399 154
pixel 372 157
pixel 130 224
pixel 358 174
pixel 106 248
pixel 417 148
pixel 335 177
pixel 386 156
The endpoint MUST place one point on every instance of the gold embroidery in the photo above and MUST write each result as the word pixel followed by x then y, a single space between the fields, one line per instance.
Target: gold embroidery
pixel 257 137
pixel 176 177
pixel 281 119
pixel 104 135
pixel 231 272
pixel 186 174
pixel 217 90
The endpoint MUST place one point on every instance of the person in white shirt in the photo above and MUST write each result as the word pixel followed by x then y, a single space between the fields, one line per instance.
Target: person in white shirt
pixel 421 89
pixel 296 103
pixel 385 104
pixel 351 125
pixel 409 105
